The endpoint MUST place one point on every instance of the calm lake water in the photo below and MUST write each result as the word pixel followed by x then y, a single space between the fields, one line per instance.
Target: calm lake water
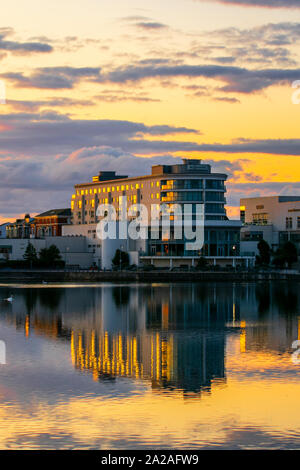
pixel 150 366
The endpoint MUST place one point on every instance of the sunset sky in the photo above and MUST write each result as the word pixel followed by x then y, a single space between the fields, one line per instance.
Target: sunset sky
pixel 95 85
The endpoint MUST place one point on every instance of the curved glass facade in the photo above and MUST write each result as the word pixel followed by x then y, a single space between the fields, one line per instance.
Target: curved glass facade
pixel 174 196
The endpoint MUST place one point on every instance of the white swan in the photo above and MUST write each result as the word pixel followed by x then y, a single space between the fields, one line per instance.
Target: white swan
pixel 10 299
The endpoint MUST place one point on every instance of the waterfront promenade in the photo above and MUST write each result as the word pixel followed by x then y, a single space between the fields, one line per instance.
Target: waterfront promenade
pixel 145 276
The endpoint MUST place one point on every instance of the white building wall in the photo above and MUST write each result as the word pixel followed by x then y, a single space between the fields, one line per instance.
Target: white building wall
pixel 18 247
pixel 87 232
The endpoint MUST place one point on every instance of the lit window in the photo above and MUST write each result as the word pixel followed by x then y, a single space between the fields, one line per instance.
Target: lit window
pixel 157 184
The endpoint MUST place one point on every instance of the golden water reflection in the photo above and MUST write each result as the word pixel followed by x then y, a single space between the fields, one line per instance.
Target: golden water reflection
pixel 222 349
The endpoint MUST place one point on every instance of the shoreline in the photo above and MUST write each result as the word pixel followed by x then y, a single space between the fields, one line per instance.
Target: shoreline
pixel 145 276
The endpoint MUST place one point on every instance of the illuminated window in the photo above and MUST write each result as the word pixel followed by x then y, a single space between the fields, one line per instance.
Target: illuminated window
pixel 95 191
pixel 99 190
pixel 86 191
pixel 137 186
pixel 82 191
pixel 122 187
pixel 118 188
pixel 127 187
pixel 104 189
pixel 152 196
pixel 113 189
pixel 157 195
pixel 157 184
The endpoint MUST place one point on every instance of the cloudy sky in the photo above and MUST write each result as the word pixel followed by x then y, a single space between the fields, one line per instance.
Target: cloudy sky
pixel 121 85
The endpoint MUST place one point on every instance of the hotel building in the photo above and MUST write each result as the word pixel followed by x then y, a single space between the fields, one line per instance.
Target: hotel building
pixel 191 182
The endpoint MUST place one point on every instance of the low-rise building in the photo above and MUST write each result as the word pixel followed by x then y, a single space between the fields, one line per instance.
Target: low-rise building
pixel 3 229
pixel 275 219
pixel 73 250
pixel 49 224
pixel 21 228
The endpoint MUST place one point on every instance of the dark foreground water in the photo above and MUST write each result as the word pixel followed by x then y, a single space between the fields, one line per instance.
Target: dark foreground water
pixel 150 366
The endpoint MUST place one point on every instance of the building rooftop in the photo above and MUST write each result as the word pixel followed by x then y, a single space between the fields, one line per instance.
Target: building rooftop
pixel 52 212
pixel 277 197
pixel 188 166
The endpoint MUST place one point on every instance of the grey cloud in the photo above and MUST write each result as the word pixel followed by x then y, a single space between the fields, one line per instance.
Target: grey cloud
pixel 53 77
pixel 264 146
pixel 21 47
pixel 150 25
pixel 49 132
pixel 226 99
pixel 237 79
pixel 25 184
pixel 262 3
pixel 23 105
pixel 266 45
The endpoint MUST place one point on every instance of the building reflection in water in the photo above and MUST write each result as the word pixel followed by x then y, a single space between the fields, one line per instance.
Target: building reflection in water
pixel 173 336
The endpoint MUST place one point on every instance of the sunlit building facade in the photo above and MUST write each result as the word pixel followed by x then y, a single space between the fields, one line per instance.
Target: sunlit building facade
pixel 190 183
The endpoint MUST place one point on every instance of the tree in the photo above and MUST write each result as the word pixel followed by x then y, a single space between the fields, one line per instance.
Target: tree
pixel 286 254
pixel 30 255
pixel 120 259
pixel 202 263
pixel 50 256
pixel 290 253
pixel 264 252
